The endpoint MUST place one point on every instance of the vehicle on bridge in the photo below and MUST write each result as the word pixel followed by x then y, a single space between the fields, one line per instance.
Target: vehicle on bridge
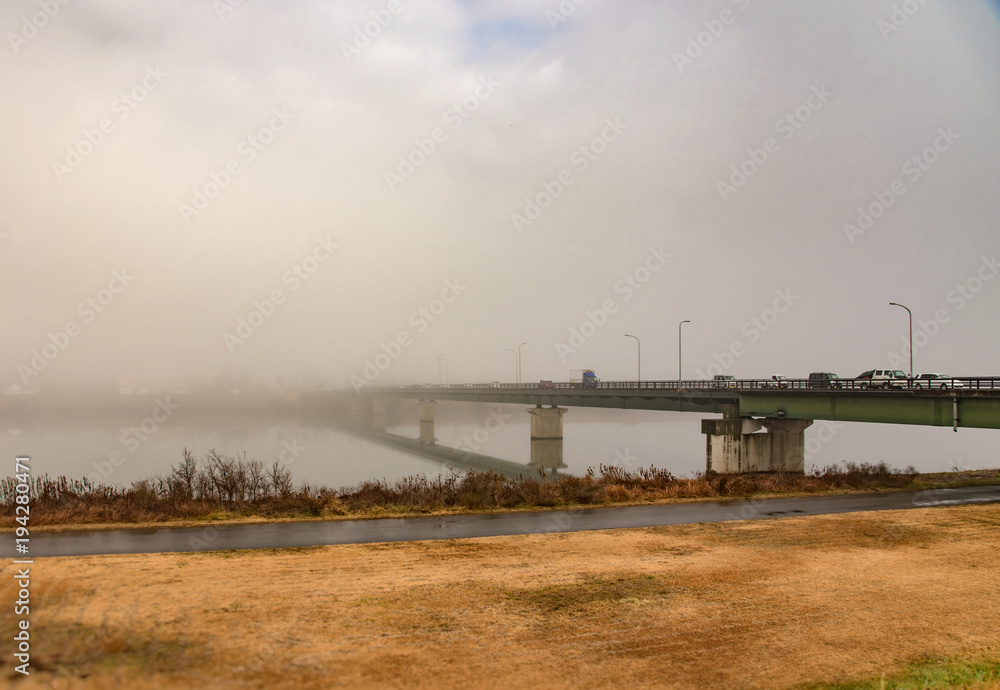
pixel 546 383
pixel 936 381
pixel 724 381
pixel 823 379
pixel 883 378
pixel 777 381
pixel 583 378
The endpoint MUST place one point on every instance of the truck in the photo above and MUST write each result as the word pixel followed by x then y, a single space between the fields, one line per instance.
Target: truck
pixel 583 378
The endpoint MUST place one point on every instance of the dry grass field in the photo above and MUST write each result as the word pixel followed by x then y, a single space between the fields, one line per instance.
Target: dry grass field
pixel 793 602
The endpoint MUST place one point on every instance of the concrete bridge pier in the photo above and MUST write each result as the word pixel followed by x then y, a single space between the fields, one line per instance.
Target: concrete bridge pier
pixel 734 444
pixel 546 439
pixel 356 409
pixel 427 421
pixel 377 409
pixel 788 443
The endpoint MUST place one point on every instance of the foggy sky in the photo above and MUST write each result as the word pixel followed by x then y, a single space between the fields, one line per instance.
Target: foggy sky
pixel 504 98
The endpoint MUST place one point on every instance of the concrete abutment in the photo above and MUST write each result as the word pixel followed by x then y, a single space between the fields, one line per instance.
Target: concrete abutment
pixel 735 444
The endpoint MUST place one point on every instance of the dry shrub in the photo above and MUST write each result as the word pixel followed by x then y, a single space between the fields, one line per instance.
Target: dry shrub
pixel 615 493
pixel 237 485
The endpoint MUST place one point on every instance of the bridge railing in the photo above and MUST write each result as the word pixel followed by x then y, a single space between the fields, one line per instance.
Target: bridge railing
pixel 975 383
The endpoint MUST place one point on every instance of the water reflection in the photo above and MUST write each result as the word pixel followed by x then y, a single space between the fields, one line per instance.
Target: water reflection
pixel 94 443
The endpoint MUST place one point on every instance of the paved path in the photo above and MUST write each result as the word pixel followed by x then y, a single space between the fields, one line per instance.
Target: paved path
pixel 297 534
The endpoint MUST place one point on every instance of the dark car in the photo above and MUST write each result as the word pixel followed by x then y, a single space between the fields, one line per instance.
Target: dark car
pixel 823 379
pixel 545 383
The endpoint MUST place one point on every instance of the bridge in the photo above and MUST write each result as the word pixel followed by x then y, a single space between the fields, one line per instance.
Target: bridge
pixel 763 422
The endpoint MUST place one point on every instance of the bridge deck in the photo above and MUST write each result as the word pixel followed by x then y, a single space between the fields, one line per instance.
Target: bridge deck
pixel 977 401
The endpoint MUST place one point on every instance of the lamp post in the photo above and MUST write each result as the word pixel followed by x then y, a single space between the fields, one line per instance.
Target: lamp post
pixel 519 362
pixel 638 365
pixel 680 377
pixel 897 304
pixel 441 360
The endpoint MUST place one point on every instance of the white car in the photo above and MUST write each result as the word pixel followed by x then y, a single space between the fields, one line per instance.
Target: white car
pixel 882 378
pixel 936 381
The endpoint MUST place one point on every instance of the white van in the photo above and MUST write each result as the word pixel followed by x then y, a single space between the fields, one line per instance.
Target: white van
pixel 883 378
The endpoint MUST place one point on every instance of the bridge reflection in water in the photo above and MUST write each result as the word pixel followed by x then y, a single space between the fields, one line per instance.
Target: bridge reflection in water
pixel 459 458
pixel 546 441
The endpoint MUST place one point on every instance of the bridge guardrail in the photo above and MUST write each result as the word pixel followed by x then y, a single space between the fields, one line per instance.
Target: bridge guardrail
pixel 974 383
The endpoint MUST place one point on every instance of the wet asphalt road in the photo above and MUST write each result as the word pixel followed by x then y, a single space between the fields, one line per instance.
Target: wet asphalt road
pixel 300 534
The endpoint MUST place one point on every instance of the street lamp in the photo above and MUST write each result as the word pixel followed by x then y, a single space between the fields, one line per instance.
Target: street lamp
pixel 896 304
pixel 680 377
pixel 519 362
pixel 638 365
pixel 441 360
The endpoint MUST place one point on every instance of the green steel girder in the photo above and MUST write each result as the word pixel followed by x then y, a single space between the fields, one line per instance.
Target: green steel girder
pixel 929 407
pixel 882 407
pixel 705 402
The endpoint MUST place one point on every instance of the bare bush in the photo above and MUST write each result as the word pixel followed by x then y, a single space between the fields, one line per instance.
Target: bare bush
pixel 281 480
pixel 196 488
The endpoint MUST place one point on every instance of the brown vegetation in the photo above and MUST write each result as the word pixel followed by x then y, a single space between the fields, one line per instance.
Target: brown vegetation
pixel 237 486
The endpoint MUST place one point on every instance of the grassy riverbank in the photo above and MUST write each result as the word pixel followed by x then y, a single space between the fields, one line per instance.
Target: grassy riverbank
pixel 222 488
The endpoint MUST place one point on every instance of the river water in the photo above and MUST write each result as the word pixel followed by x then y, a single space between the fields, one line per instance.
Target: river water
pixel 115 449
